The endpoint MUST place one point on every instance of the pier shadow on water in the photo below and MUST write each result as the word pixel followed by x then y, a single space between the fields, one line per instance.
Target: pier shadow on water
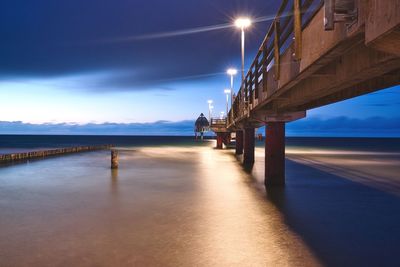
pixel 343 222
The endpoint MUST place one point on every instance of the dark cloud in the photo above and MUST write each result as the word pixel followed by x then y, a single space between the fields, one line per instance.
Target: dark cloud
pixel 48 38
pixel 339 126
pixel 387 104
pixel 344 126
pixel 155 128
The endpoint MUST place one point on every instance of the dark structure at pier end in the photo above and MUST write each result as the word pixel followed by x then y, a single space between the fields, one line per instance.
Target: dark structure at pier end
pixel 201 125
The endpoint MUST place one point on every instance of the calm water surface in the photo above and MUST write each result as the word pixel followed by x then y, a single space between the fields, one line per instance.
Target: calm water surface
pixel 186 204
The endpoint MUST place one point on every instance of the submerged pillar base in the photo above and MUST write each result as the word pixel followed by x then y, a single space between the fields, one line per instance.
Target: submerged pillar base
pixel 275 154
pixel 248 153
pixel 239 142
pixel 219 140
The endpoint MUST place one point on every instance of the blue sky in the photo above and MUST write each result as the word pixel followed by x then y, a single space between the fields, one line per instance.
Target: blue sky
pixel 99 61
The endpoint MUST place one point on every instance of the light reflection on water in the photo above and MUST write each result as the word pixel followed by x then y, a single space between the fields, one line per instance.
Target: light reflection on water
pixel 379 170
pixel 194 206
pixel 164 206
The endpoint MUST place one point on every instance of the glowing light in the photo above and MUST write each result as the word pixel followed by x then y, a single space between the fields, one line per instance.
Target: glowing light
pixel 227 91
pixel 231 71
pixel 209 102
pixel 243 23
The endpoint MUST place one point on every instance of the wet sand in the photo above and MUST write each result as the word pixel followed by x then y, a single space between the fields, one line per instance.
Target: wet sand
pixel 189 206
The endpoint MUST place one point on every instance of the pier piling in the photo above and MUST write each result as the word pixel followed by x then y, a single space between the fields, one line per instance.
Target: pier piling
pixel 219 140
pixel 239 142
pixel 249 142
pixel 275 153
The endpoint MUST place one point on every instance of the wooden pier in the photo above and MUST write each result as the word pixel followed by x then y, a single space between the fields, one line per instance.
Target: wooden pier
pixel 315 53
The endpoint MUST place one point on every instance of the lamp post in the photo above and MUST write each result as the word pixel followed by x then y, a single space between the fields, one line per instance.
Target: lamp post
pixel 242 24
pixel 231 72
pixel 227 92
pixel 210 107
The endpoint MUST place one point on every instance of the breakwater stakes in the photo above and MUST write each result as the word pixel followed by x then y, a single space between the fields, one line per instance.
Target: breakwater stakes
pixel 315 53
pixel 15 157
pixel 114 159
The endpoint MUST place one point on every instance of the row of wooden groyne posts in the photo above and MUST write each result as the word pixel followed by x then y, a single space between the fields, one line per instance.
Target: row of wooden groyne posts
pixel 32 155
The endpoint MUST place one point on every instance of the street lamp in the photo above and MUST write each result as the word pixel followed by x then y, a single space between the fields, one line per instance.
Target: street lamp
pixel 227 92
pixel 231 72
pixel 210 107
pixel 242 24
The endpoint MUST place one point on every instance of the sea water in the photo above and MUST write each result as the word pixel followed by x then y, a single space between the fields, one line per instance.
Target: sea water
pixel 179 202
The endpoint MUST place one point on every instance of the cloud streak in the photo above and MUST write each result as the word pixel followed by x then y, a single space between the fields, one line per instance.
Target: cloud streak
pixel 170 34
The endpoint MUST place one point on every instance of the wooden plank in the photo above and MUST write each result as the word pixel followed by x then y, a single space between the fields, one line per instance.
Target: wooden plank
pixel 317 42
pixel 383 17
pixel 329 17
pixel 245 90
pixel 276 49
pixel 372 85
pixel 382 28
pixel 289 66
pixel 256 78
pixel 272 83
pixel 264 65
pixel 297 29
pixel 359 65
pixel 251 86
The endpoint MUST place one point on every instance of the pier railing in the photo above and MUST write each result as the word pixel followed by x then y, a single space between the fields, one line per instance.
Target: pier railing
pixel 285 32
pixel 218 124
pixel 218 121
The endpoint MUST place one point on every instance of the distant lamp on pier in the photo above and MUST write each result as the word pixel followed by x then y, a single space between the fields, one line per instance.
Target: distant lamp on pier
pixel 231 72
pixel 210 108
pixel 243 23
pixel 227 92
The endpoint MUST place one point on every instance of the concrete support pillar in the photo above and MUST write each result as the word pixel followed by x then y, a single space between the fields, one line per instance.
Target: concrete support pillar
pixel 114 159
pixel 248 155
pixel 219 140
pixel 275 154
pixel 239 142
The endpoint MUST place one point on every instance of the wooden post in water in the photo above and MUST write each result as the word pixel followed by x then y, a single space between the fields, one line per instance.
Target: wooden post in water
pixel 248 154
pixel 219 140
pixel 239 142
pixel 114 159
